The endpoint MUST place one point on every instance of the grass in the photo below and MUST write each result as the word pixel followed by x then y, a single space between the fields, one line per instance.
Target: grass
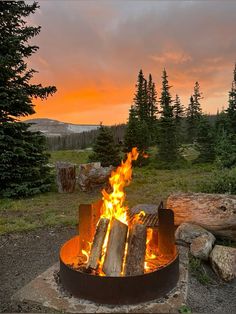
pixel 198 271
pixel 50 209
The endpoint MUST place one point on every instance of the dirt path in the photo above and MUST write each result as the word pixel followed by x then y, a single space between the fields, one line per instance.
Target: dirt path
pixel 23 256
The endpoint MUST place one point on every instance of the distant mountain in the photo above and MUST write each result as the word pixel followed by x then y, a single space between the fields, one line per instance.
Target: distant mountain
pixel 54 128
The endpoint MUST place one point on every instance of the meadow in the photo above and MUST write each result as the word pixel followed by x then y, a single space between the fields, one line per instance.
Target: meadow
pixel 149 185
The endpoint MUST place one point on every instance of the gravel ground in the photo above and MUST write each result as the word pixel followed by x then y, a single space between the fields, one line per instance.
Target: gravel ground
pixel 23 256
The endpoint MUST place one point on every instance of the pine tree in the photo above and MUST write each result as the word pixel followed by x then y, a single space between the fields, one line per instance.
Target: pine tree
pixel 152 109
pixel 225 151
pixel 231 111
pixel 23 161
pixel 140 98
pixel 194 113
pixel 104 149
pixel 168 146
pixel 205 141
pixel 178 111
pixel 131 132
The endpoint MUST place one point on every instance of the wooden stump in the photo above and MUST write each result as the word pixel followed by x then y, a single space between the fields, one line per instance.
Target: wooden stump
pixel 115 249
pixel 136 250
pixel 66 177
pixel 214 212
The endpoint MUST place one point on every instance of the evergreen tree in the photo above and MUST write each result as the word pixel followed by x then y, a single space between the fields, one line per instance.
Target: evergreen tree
pixel 140 98
pixel 194 113
pixel 131 132
pixel 205 141
pixel 23 169
pixel 152 109
pixel 104 149
pixel 168 146
pixel 225 151
pixel 178 111
pixel 221 122
pixel 231 111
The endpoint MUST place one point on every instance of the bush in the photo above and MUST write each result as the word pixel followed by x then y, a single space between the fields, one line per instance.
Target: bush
pixel 223 181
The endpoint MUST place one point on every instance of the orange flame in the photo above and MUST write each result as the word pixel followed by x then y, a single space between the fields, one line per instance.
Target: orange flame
pixel 113 203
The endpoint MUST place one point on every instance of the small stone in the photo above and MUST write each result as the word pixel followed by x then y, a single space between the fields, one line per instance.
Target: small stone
pixel 187 232
pixel 201 246
pixel 223 261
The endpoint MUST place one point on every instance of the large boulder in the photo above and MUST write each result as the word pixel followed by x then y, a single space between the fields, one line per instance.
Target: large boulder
pixel 201 241
pixel 223 261
pixel 201 246
pixel 93 175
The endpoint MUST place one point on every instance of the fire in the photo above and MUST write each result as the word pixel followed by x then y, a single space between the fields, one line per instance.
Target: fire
pixel 113 203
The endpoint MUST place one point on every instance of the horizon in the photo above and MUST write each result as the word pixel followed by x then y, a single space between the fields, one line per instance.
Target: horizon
pixel 92 52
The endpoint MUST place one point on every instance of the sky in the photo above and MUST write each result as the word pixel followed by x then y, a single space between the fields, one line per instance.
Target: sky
pixel 92 52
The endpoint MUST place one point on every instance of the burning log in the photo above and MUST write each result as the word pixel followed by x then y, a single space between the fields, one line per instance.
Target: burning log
pixel 214 212
pixel 89 215
pixel 66 177
pixel 115 249
pixel 136 250
pixel 96 249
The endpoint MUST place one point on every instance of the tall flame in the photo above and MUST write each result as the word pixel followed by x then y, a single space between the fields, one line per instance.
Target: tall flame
pixel 113 203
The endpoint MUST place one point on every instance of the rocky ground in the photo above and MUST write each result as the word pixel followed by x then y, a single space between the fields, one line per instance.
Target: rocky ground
pixel 23 256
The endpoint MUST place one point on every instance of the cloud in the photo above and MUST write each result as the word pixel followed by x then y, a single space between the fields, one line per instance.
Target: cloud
pixel 92 51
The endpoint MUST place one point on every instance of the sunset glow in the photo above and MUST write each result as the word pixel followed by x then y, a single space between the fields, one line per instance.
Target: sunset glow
pixel 92 53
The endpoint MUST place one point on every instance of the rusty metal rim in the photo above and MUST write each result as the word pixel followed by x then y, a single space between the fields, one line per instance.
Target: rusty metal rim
pixel 120 290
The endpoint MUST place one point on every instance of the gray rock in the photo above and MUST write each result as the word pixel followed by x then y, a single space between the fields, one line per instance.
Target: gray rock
pixel 202 246
pixel 187 232
pixel 223 261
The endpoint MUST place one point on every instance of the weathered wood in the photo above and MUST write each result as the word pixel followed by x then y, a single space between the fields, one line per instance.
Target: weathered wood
pixel 96 249
pixel 89 215
pixel 134 264
pixel 214 212
pixel 66 177
pixel 113 262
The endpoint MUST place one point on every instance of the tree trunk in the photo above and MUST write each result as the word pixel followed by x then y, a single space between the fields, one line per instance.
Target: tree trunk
pixel 96 249
pixel 214 212
pixel 115 249
pixel 134 264
pixel 66 177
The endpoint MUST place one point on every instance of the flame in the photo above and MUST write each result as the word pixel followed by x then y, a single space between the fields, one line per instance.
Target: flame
pixel 150 256
pixel 113 203
pixel 86 254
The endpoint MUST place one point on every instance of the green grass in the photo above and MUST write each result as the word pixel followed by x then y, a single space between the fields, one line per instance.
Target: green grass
pixel 148 186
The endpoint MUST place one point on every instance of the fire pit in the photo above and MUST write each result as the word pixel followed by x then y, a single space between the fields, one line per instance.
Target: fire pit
pixel 120 257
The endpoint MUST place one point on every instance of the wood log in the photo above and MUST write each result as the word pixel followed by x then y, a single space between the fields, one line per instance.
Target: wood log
pixel 66 177
pixel 214 212
pixel 96 249
pixel 113 262
pixel 88 216
pixel 134 264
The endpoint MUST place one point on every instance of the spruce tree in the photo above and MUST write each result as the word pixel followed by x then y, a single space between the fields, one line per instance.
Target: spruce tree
pixel 152 109
pixel 104 149
pixel 231 111
pixel 205 141
pixel 131 132
pixel 140 98
pixel 23 161
pixel 194 113
pixel 178 111
pixel 168 146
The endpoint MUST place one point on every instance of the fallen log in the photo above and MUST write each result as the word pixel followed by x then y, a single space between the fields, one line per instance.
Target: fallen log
pixel 113 262
pixel 214 212
pixel 96 249
pixel 66 177
pixel 134 264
